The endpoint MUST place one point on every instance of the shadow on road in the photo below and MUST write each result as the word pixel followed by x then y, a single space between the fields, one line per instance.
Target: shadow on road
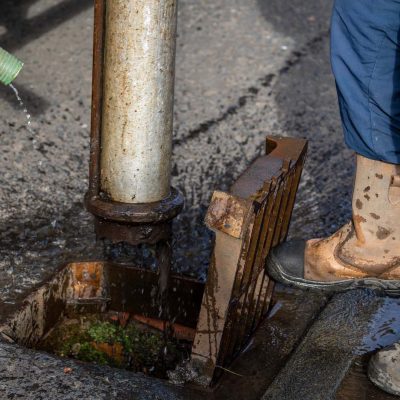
pixel 305 95
pixel 297 17
pixel 21 31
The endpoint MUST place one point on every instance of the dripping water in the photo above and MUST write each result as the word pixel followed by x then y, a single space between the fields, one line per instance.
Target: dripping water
pixel 25 110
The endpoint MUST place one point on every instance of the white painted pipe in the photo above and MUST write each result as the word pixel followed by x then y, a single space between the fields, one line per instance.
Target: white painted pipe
pixel 139 71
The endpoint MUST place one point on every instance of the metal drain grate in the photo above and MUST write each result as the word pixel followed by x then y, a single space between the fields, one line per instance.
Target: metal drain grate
pixel 248 221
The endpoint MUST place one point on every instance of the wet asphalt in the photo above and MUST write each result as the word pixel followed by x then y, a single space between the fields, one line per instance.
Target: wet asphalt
pixel 244 70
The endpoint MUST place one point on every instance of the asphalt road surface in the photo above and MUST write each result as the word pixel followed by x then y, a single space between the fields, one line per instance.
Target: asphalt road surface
pixel 245 69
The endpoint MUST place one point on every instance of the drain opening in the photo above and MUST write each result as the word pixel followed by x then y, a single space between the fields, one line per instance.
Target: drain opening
pixel 108 314
pixel 214 322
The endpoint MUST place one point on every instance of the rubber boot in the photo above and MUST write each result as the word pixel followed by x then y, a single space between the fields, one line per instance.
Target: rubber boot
pixel 363 253
pixel 384 369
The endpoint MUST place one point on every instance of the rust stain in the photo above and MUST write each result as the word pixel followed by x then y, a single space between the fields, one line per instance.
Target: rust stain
pixel 180 332
pixel 114 351
pixel 227 214
pixel 87 279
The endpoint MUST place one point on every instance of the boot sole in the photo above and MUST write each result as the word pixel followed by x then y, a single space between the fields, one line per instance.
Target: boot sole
pixel 389 288
pixel 381 379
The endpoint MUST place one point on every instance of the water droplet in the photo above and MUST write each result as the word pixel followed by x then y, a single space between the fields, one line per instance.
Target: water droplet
pixel 24 109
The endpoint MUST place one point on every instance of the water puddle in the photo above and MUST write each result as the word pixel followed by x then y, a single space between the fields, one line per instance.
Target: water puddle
pixel 25 110
pixel 384 328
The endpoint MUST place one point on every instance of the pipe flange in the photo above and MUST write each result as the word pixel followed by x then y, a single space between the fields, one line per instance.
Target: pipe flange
pixel 134 223
pixel 146 213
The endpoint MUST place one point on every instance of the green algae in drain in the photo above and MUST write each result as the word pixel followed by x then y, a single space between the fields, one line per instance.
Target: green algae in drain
pixel 132 346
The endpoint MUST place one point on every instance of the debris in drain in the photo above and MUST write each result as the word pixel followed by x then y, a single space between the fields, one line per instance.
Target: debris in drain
pixel 187 372
pixel 122 343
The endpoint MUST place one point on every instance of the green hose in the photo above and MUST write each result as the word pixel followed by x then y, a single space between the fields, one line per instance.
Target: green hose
pixel 10 67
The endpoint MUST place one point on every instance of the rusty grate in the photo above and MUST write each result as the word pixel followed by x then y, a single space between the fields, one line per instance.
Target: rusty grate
pixel 248 221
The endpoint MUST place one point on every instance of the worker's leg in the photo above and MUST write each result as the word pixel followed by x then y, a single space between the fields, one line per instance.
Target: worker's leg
pixel 366 65
pixel 365 59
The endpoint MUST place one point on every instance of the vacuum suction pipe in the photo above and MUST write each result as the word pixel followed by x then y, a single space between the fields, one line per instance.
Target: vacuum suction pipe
pixel 139 66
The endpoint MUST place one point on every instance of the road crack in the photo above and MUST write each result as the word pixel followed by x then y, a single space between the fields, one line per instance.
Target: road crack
pixel 252 92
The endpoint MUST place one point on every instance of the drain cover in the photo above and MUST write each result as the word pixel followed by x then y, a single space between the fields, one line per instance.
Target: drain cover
pixel 248 221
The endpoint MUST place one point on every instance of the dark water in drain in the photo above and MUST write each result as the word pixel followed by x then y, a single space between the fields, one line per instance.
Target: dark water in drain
pixel 115 340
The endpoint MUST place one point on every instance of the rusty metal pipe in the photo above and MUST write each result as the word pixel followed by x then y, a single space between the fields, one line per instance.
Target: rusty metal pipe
pixel 139 70
pixel 131 136
pixel 132 111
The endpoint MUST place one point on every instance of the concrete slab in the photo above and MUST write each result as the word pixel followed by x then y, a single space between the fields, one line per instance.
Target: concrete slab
pixel 352 324
pixel 293 313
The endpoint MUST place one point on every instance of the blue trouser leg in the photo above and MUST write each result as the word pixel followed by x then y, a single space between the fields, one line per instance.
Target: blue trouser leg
pixel 365 58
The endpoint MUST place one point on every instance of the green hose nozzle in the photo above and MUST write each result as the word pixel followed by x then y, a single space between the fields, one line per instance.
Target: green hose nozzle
pixel 10 67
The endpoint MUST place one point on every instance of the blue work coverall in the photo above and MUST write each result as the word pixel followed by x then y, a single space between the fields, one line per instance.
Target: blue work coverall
pixel 365 57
